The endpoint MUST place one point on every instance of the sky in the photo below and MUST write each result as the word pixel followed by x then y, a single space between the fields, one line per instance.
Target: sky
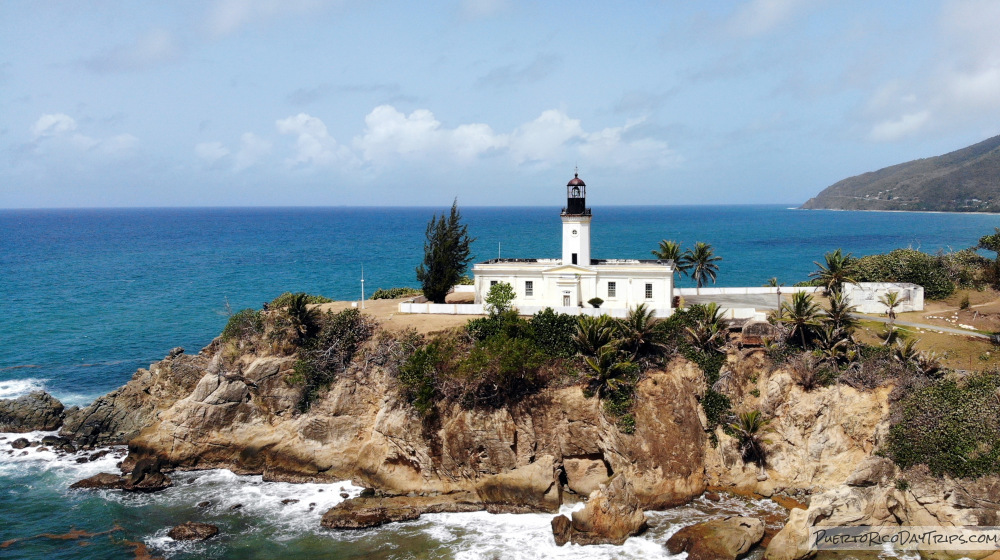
pixel 492 102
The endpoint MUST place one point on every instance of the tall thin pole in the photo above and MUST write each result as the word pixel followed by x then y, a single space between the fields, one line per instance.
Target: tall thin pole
pixel 498 249
pixel 362 286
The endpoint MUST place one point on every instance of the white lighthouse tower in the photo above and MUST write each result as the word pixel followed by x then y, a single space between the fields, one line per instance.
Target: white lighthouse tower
pixel 576 224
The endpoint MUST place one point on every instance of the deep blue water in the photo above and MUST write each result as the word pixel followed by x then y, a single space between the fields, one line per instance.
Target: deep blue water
pixel 87 296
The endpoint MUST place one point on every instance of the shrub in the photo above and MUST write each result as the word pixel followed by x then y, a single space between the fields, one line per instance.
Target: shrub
pixel 952 426
pixel 285 299
pixel 553 333
pixel 418 377
pixel 964 303
pixel 393 293
pixel 499 298
pixel 507 323
pixel 595 301
pixel 501 370
pixel 907 265
pixel 330 351
pixel 466 281
pixel 244 324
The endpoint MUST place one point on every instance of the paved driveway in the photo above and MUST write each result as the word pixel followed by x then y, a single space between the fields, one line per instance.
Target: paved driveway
pixel 757 301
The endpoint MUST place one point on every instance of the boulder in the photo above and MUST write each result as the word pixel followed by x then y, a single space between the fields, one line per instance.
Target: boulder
pixel 101 481
pixel 34 411
pixel 719 539
pixel 527 489
pixel 20 443
pixel 611 516
pixel 146 477
pixel 369 511
pixel 192 531
pixel 583 475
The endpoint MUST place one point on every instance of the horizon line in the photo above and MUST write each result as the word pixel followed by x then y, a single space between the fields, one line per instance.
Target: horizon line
pixel 792 206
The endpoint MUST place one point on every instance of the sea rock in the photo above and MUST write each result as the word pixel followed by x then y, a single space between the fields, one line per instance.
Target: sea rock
pixel 120 415
pixel 34 411
pixel 584 475
pixel 146 477
pixel 193 531
pixel 364 512
pixel 719 539
pixel 20 443
pixel 531 488
pixel 611 516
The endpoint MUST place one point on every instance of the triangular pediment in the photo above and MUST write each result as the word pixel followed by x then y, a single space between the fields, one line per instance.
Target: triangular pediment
pixel 568 269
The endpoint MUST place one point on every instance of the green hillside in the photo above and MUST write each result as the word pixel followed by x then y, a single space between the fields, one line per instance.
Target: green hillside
pixel 966 180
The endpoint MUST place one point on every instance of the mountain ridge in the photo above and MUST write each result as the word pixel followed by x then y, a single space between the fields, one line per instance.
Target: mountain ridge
pixel 965 180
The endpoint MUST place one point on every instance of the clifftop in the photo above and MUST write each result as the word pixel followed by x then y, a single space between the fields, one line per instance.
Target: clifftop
pixel 966 180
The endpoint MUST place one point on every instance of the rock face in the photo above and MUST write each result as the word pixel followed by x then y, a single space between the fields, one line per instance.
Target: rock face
pixel 719 539
pixel 146 477
pixel 928 501
pixel 611 516
pixel 192 531
pixel 120 415
pixel 243 416
pixel 532 488
pixel 365 512
pixel 34 411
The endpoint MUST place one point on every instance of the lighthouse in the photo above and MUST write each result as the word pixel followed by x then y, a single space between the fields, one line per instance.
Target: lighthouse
pixel 576 224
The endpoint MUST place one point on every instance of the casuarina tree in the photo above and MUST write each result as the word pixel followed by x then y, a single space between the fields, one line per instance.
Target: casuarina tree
pixel 446 255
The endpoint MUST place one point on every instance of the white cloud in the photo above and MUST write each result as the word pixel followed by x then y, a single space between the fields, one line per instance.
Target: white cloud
pixel 152 49
pixel 544 138
pixel 211 152
pixel 314 145
pixel 894 129
pixel 475 9
pixel 757 17
pixel 228 16
pixel 252 148
pixel 390 134
pixel 59 130
pixel 52 125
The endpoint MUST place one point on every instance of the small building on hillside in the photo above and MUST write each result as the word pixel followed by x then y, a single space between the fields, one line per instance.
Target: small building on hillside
pixel 864 296
pixel 567 284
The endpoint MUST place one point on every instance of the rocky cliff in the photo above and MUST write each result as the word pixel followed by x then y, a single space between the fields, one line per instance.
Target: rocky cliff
pixel 239 410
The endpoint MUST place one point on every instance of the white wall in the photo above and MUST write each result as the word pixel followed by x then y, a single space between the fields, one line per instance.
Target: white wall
pixel 865 296
pixel 745 291
pixel 477 309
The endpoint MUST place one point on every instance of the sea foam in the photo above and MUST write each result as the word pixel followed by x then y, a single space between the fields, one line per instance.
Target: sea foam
pixel 13 388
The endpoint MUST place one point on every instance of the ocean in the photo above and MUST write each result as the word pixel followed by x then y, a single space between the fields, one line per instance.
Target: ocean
pixel 89 296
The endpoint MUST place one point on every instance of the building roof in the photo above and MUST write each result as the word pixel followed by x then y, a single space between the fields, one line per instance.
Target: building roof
pixel 576 181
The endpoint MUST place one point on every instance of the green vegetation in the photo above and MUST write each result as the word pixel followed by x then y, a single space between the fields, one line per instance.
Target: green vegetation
pixel 951 425
pixel 907 265
pixel 286 298
pixel 327 349
pixel 243 325
pixel 701 263
pixel 499 298
pixel 838 270
pixel 393 293
pixel 966 180
pixel 595 302
pixel 447 254
pixel 671 251
pixel 750 429
pixel 554 333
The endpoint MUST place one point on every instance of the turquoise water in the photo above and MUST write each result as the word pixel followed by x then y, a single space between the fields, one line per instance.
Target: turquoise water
pixel 87 296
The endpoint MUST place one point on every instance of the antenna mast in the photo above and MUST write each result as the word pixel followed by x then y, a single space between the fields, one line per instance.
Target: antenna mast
pixel 362 286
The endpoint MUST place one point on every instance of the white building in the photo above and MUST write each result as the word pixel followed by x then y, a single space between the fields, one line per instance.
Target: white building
pixel 569 283
pixel 865 296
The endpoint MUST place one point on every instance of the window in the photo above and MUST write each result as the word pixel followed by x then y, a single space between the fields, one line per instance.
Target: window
pixel 493 283
pixel 529 288
pixel 649 291
pixel 611 289
pixel 574 258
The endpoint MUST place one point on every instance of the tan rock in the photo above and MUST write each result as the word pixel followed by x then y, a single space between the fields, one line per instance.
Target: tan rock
pixel 364 512
pixel 719 539
pixel 532 488
pixel 611 516
pixel 583 476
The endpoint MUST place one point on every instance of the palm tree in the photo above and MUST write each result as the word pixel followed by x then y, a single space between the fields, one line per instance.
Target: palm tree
pixel 927 363
pixel 750 429
pixel 839 269
pixel 638 332
pixel 593 333
pixel 608 372
pixel 671 251
pixel 840 313
pixel 701 261
pixel 708 332
pixel 802 314
pixel 303 318
pixel 891 301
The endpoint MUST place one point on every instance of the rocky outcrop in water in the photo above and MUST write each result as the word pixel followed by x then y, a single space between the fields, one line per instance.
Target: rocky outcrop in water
pixel 611 516
pixel 370 511
pixel 193 531
pixel 145 477
pixel 37 411
pixel 120 415
pixel 719 539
